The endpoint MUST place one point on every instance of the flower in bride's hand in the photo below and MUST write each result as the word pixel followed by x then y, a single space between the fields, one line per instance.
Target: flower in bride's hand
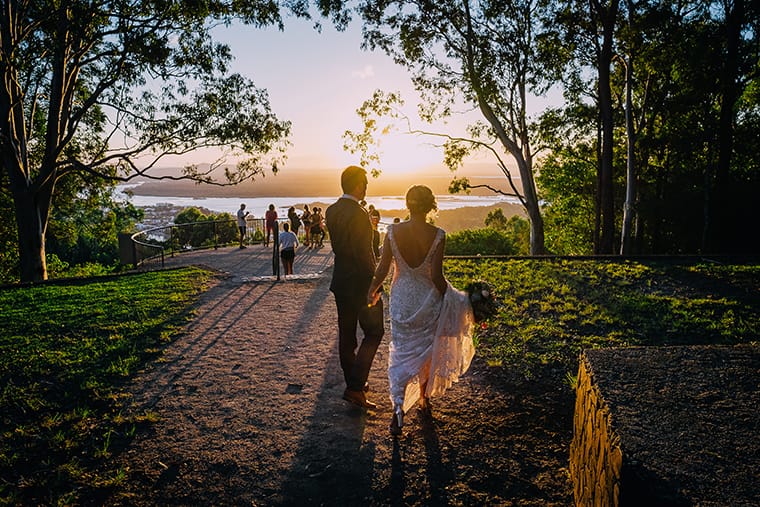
pixel 482 300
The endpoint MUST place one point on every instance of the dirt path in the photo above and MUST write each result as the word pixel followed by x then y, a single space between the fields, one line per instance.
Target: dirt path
pixel 250 413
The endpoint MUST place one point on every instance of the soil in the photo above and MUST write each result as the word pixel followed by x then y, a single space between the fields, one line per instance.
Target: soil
pixel 250 412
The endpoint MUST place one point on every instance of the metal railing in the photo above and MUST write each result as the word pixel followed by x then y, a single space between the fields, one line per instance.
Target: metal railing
pixel 156 243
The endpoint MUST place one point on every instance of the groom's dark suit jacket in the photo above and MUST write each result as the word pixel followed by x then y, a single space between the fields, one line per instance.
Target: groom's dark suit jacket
pixel 351 238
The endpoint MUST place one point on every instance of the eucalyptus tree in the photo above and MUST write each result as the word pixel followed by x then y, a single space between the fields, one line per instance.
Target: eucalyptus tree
pixel 737 23
pixel 582 38
pixel 106 89
pixel 477 54
pixel 686 70
pixel 695 62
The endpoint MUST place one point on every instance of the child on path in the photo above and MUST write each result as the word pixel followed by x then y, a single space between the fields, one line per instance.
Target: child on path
pixel 288 244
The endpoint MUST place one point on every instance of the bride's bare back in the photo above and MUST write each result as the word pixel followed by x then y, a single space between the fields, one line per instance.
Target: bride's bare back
pixel 414 240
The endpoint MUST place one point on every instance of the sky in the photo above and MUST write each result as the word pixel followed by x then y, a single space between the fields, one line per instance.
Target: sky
pixel 318 80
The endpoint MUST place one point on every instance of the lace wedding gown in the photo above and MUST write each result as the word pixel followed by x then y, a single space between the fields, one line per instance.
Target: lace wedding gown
pixel 431 335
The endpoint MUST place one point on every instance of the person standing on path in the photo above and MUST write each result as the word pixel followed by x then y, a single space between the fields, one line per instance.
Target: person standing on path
pixel 295 222
pixel 374 218
pixel 270 222
pixel 317 233
pixel 306 220
pixel 288 244
pixel 351 238
pixel 241 215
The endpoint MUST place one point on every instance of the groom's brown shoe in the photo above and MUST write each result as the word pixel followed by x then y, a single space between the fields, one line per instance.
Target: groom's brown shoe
pixel 358 398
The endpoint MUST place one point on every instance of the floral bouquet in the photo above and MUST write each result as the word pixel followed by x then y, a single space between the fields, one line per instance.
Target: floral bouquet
pixel 483 303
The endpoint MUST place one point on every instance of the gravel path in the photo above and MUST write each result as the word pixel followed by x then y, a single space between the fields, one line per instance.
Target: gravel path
pixel 249 411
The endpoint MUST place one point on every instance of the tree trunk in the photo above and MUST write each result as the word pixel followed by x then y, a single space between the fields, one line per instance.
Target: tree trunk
pixel 525 168
pixel 606 180
pixel 598 189
pixel 537 246
pixel 32 208
pixel 629 209
pixel 719 227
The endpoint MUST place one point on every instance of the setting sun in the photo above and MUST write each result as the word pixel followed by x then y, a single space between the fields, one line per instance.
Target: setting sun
pixel 400 154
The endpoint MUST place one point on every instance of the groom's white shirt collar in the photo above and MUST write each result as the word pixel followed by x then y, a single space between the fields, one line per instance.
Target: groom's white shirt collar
pixel 349 196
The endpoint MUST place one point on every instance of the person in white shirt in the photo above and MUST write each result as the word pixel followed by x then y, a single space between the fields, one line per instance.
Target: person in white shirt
pixel 288 244
pixel 241 215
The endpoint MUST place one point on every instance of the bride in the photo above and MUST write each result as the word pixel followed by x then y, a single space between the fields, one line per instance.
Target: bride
pixel 431 321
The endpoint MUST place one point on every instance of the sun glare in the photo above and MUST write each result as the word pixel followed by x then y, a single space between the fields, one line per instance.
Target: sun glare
pixel 400 154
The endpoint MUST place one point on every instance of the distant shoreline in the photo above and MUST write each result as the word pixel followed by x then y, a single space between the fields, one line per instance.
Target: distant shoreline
pixel 454 214
pixel 302 185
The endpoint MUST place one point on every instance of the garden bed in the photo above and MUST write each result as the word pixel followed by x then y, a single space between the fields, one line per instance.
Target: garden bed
pixel 667 426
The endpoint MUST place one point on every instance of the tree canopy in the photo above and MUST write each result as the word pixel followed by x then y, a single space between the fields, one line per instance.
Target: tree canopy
pixel 102 91
pixel 480 55
pixel 653 147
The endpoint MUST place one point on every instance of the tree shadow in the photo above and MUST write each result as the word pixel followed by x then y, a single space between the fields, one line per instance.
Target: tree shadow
pixel 332 464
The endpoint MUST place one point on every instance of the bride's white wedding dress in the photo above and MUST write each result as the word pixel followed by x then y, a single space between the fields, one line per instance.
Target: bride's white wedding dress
pixel 431 335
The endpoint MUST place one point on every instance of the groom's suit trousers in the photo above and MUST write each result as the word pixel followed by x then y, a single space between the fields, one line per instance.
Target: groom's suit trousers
pixel 356 357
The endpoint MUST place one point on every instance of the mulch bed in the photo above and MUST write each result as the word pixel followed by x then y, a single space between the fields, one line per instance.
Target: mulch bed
pixel 687 421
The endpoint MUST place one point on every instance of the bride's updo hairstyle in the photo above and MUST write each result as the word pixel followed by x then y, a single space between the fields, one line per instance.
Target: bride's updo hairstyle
pixel 420 198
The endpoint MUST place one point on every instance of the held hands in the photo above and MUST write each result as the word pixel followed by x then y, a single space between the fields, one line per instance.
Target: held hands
pixel 373 297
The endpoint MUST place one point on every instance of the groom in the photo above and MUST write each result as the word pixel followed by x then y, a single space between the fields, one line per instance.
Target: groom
pixel 351 238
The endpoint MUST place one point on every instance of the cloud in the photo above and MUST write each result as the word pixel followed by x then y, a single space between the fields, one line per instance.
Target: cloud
pixel 367 72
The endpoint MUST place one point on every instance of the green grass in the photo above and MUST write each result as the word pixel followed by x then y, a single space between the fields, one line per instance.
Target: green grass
pixel 65 349
pixel 551 310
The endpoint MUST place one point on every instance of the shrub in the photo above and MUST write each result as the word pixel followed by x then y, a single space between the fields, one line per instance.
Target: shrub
pixel 487 241
pixel 226 228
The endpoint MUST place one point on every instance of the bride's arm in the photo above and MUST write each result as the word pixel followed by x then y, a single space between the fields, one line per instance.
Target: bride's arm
pixel 380 272
pixel 438 279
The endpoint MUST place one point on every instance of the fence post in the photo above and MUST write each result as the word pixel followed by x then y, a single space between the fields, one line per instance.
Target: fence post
pixel 276 252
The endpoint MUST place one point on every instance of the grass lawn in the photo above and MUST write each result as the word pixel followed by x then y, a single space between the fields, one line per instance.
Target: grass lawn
pixel 553 309
pixel 65 349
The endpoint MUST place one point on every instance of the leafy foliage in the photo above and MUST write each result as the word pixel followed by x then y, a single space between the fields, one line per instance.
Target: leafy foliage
pixel 84 224
pixel 104 91
pixel 198 229
pixel 695 124
pixel 82 234
pixel 464 56
pixel 487 241
pixel 566 183
pixel 501 236
pixel 517 228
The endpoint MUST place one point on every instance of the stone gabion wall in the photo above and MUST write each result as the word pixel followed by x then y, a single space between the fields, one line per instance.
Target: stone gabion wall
pixel 595 455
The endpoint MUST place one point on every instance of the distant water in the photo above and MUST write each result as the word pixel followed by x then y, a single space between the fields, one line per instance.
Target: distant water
pixel 258 205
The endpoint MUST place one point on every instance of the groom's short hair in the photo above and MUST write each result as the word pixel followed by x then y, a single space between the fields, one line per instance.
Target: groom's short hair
pixel 352 176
